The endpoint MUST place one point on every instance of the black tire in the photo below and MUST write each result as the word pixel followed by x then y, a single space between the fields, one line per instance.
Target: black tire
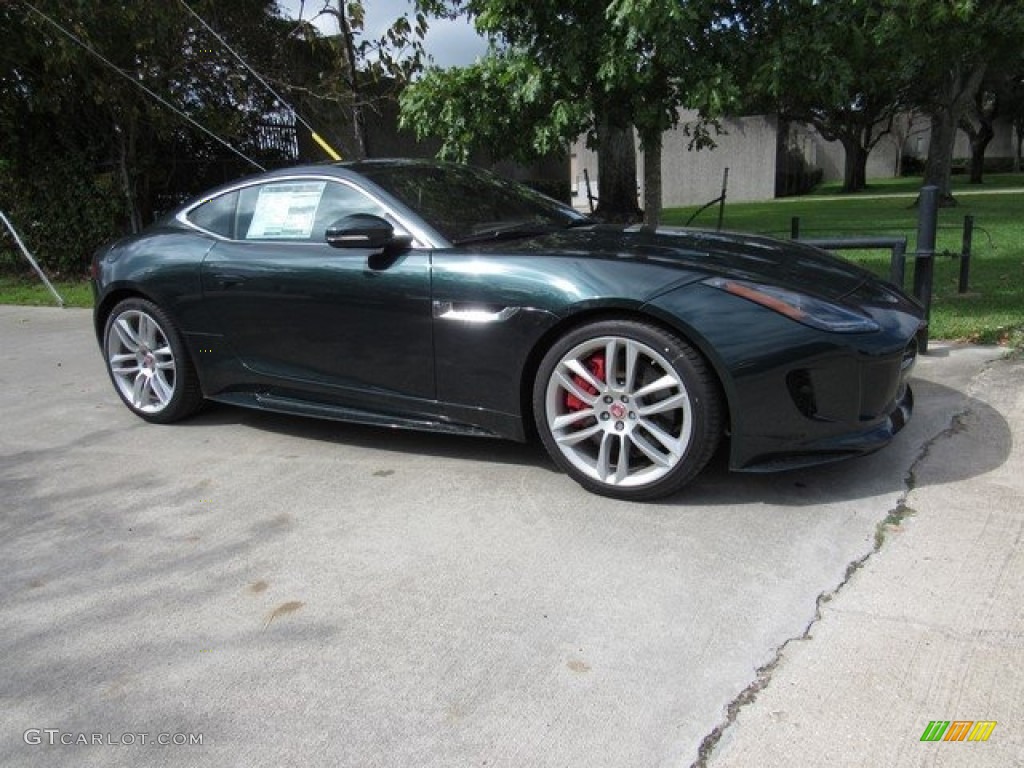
pixel 656 405
pixel 148 364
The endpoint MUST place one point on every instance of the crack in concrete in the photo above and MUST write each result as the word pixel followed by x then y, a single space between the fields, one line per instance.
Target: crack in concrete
pixel 893 519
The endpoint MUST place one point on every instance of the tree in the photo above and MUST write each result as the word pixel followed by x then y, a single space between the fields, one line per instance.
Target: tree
pixel 904 126
pixel 948 47
pixel 89 148
pixel 567 39
pixel 362 71
pixel 999 95
pixel 505 101
pixel 603 67
pixel 87 152
pixel 663 55
pixel 826 65
pixel 1015 113
pixel 977 123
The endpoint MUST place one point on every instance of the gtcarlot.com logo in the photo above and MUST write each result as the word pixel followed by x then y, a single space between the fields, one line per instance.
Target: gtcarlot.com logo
pixel 56 737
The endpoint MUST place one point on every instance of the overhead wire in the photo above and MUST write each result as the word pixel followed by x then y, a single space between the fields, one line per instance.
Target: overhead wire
pixel 316 136
pixel 77 40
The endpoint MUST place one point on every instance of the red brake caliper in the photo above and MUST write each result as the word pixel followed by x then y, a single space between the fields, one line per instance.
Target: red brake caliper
pixel 596 366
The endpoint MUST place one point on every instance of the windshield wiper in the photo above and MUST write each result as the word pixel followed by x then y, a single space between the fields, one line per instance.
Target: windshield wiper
pixel 506 232
pixel 519 229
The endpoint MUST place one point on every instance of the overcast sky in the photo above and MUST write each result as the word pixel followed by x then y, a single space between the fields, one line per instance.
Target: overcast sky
pixel 451 43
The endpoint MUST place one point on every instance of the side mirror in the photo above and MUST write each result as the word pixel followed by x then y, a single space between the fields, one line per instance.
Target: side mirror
pixel 363 230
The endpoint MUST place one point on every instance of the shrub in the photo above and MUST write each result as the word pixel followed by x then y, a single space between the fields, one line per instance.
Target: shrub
pixel 912 166
pixel 794 176
pixel 63 212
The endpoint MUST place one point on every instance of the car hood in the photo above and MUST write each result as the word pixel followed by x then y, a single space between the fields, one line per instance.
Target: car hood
pixel 761 259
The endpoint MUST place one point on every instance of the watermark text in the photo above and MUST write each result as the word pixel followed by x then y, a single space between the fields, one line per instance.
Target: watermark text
pixel 56 737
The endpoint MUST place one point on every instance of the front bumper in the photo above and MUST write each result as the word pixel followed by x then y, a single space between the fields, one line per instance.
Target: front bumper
pixel 839 446
pixel 798 395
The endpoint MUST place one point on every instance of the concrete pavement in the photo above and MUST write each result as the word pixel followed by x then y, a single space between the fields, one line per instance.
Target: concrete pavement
pixel 931 627
pixel 297 592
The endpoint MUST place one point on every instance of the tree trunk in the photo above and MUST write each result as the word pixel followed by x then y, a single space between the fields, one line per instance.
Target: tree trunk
pixel 651 141
pixel 979 143
pixel 348 51
pixel 126 167
pixel 855 165
pixel 1020 145
pixel 938 168
pixel 960 94
pixel 977 124
pixel 616 168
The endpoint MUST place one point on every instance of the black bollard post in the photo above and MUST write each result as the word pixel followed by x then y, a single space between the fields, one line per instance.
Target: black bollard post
pixel 924 263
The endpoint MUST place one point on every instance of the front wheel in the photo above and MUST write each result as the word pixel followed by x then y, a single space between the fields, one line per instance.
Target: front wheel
pixel 148 363
pixel 627 409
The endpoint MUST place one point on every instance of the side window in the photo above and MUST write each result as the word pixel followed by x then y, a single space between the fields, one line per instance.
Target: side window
pixel 297 210
pixel 216 215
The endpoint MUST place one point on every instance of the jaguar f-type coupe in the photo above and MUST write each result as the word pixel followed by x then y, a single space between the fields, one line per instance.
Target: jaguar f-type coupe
pixel 439 297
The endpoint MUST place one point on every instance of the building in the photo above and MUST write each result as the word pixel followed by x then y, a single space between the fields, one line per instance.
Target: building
pixel 767 157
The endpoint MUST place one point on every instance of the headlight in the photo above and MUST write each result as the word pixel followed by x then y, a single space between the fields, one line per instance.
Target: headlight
pixel 808 310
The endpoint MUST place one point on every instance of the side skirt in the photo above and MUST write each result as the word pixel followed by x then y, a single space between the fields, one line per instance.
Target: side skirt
pixel 276 403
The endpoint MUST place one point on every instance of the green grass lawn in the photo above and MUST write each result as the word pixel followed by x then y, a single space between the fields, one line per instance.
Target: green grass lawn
pixel 991 312
pixel 27 289
pixel 909 185
pixel 993 309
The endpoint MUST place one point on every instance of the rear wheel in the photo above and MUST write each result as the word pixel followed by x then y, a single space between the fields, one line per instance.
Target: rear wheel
pixel 627 409
pixel 148 363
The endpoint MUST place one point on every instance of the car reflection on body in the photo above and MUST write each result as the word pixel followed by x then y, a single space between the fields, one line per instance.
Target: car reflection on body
pixel 438 297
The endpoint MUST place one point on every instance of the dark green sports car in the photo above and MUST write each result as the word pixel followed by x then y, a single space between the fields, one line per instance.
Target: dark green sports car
pixel 439 297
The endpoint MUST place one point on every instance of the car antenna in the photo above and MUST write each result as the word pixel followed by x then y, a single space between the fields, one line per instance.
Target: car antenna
pixel 77 40
pixel 316 136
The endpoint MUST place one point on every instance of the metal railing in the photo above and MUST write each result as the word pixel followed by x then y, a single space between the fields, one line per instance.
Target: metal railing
pixel 897 245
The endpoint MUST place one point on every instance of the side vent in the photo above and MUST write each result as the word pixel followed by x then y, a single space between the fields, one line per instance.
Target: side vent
pixel 802 392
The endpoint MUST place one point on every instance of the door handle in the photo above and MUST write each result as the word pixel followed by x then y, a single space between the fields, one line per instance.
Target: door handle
pixel 227 280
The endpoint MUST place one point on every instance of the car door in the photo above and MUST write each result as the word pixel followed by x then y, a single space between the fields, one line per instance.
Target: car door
pixel 349 322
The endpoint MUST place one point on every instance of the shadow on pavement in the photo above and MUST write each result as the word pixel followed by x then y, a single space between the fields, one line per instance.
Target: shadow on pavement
pixel 879 473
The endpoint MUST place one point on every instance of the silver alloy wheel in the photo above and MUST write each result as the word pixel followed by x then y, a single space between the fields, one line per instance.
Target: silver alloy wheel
pixel 141 361
pixel 619 412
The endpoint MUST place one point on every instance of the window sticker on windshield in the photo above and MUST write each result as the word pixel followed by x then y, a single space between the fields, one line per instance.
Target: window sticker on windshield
pixel 286 210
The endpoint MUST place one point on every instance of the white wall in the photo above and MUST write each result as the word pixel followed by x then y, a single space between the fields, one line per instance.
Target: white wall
pixel 693 177
pixel 747 147
pixel 581 159
pixel 882 160
pixel 832 157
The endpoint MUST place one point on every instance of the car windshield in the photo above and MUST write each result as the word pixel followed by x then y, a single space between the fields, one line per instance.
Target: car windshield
pixel 466 204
